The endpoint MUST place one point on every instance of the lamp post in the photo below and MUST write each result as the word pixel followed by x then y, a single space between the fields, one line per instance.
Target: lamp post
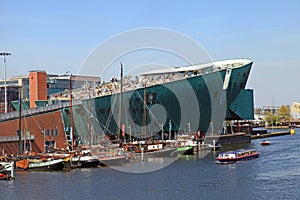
pixel 4 54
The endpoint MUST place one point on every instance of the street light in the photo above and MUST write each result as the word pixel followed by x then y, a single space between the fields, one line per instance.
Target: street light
pixel 4 54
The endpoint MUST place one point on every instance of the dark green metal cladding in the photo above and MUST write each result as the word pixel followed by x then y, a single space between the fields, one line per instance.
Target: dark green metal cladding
pixel 107 107
pixel 242 106
pixel 239 101
pixel 207 88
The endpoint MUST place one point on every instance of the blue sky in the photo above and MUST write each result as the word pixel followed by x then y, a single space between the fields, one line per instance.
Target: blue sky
pixel 57 36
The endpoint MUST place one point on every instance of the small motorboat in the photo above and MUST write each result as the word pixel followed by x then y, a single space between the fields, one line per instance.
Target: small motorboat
pixel 264 143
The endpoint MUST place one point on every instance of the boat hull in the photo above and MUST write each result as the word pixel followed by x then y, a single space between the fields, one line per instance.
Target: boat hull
pixel 265 143
pixel 189 150
pixel 236 160
pixel 90 163
pixel 3 176
pixel 53 165
pixel 112 160
pixel 167 152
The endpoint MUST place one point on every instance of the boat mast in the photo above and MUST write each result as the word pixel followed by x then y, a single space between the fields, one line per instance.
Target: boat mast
pixel 89 121
pixel 71 113
pixel 145 114
pixel 121 94
pixel 20 123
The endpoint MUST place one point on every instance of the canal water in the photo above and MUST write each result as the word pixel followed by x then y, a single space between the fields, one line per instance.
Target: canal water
pixel 274 175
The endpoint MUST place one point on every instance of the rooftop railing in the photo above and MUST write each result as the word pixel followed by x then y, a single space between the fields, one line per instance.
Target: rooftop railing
pixel 37 110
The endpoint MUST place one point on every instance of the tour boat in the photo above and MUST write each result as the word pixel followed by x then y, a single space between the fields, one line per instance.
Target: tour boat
pixel 233 156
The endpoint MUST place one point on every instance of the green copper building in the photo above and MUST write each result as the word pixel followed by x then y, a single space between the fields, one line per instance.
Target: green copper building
pixel 178 99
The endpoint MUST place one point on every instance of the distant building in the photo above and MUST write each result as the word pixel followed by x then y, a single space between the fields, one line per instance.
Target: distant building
pixel 296 111
pixel 54 84
pixel 266 109
pixel 259 113
pixel 13 87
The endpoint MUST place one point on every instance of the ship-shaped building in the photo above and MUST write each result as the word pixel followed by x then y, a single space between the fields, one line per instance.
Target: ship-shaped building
pixel 175 100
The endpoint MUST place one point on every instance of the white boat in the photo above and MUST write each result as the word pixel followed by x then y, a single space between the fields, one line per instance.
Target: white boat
pixel 41 165
pixel 85 161
pixel 57 164
pixel 7 170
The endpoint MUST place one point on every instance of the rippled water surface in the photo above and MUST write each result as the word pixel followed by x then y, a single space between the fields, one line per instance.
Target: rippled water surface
pixel 274 175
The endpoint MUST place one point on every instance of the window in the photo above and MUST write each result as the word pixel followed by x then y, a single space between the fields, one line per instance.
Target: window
pixel 47 132
pixel 151 98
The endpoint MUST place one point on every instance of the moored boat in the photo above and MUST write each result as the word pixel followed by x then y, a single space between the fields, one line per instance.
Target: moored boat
pixel 187 150
pixel 164 152
pixel 41 165
pixel 6 170
pixel 4 176
pixel 238 155
pixel 52 165
pixel 151 149
pixel 85 161
pixel 209 147
pixel 111 160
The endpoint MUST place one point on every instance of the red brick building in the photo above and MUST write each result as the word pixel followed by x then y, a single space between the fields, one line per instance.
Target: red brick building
pixel 38 87
pixel 38 132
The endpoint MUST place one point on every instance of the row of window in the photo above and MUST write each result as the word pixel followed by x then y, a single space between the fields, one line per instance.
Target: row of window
pixel 51 132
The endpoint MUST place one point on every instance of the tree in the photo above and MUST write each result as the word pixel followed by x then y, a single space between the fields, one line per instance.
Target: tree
pixel 271 119
pixel 284 113
pixel 281 118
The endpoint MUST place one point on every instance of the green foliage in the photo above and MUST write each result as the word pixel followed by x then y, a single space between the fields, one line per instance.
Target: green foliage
pixel 283 115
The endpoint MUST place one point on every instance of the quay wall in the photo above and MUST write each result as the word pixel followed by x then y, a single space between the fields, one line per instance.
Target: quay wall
pixel 229 139
pixel 273 134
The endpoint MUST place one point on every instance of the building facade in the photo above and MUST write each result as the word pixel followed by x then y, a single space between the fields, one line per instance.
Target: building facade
pixel 19 86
